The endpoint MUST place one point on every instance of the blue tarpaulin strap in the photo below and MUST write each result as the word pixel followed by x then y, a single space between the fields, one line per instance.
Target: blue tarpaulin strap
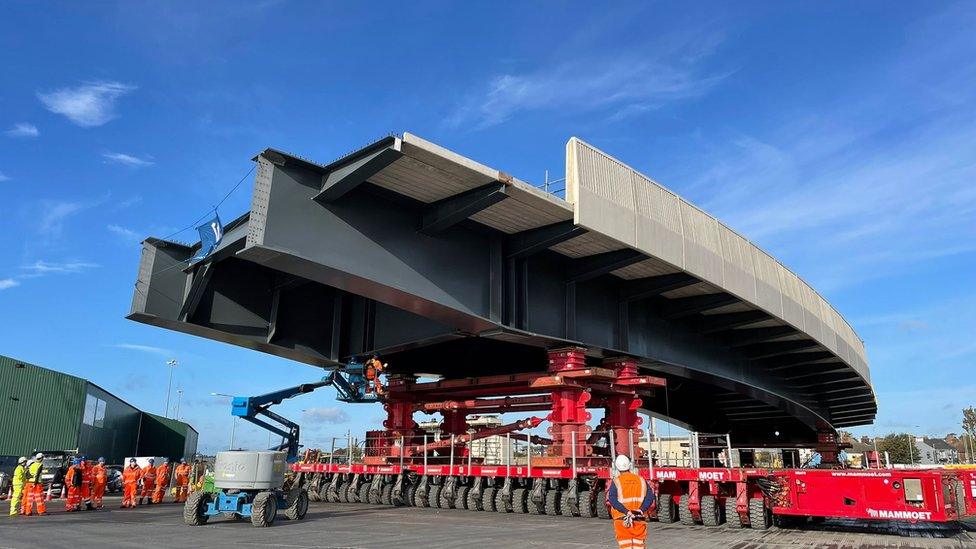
pixel 210 234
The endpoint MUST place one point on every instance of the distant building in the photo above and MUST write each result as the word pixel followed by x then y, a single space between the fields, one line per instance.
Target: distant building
pixel 45 410
pixel 935 451
pixel 490 450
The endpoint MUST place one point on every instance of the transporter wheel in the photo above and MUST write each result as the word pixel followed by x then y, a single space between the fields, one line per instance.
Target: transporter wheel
pixel 488 499
pixel 684 512
pixel 711 513
pixel 346 493
pixel 519 500
pixel 759 517
pixel 298 507
pixel 667 511
pixel 600 503
pixel 732 517
pixel 410 495
pixel 434 496
pixel 568 509
pixel 445 501
pixel 586 507
pixel 461 497
pixel 386 494
pixel 553 502
pixel 418 499
pixel 363 495
pixel 500 505
pixel 323 494
pixel 264 509
pixel 194 509
pixel 474 501
pixel 315 491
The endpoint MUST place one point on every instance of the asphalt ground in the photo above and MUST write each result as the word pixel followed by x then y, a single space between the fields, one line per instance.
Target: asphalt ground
pixel 356 525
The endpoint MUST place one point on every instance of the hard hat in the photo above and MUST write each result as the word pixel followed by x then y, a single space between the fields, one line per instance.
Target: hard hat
pixel 182 460
pixel 132 460
pixel 22 459
pixel 101 460
pixel 622 463
pixel 165 460
pixel 75 461
pixel 39 455
pixel 151 460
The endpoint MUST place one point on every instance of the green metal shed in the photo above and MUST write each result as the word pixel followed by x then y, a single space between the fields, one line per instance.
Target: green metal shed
pixel 42 409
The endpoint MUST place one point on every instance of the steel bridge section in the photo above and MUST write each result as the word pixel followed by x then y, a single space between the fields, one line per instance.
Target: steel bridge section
pixel 448 267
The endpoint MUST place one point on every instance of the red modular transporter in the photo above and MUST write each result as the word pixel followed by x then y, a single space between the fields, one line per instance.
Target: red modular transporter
pixel 567 473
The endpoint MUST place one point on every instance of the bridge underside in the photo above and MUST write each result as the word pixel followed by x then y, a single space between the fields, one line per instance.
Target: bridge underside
pixel 334 262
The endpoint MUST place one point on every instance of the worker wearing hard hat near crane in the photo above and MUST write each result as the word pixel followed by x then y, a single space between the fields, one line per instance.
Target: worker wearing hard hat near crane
pixel 34 488
pixel 374 368
pixel 20 477
pixel 630 498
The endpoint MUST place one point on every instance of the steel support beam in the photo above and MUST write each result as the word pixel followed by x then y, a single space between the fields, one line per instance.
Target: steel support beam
pixel 346 177
pixel 687 306
pixel 592 266
pixel 795 359
pixel 533 241
pixel 446 213
pixel 748 336
pixel 633 290
pixel 776 348
pixel 709 324
pixel 200 279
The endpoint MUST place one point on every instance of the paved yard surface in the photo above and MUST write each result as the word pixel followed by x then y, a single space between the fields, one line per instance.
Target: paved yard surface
pixel 353 525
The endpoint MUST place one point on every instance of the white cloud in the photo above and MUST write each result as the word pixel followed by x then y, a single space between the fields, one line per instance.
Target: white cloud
pixel 4 177
pixel 7 283
pixel 90 104
pixel 126 159
pixel 123 232
pixel 42 268
pixel 329 413
pixel 23 129
pixel 623 87
pixel 144 349
pixel 55 213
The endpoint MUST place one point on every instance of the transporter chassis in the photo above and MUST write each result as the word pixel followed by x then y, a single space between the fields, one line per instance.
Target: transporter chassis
pixel 403 465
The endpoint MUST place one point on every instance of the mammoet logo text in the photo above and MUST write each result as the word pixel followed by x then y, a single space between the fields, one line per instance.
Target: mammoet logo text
pixel 899 515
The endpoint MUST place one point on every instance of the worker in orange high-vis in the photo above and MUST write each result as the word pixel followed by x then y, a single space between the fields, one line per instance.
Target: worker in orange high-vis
pixel 182 477
pixel 130 483
pixel 99 479
pixel 162 481
pixel 630 498
pixel 34 488
pixel 148 478
pixel 86 482
pixel 73 480
pixel 374 368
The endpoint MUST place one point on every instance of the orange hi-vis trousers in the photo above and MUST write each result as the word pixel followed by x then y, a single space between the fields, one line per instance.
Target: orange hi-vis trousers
pixel 98 492
pixel 34 495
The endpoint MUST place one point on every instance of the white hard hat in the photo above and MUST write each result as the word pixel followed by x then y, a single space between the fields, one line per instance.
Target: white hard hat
pixel 22 460
pixel 622 463
pixel 39 455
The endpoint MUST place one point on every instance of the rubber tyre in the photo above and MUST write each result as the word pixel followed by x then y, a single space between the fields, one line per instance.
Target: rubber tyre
pixel 519 500
pixel 434 496
pixel 194 508
pixel 569 510
pixel 386 494
pixel 732 517
pixel 363 495
pixel 667 511
pixel 316 494
pixel 553 502
pixel 587 509
pixel 711 513
pixel 474 501
pixel 419 501
pixel 373 497
pixel 346 493
pixel 444 502
pixel 323 494
pixel 488 499
pixel 600 503
pixel 264 509
pixel 500 505
pixel 684 513
pixel 408 494
pixel 759 516
pixel 461 497
pixel 297 509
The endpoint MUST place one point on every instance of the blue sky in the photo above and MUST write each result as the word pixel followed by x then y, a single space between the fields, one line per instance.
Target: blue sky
pixel 844 142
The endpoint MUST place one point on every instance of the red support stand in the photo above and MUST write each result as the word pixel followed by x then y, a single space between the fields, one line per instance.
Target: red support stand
pixel 621 410
pixel 568 420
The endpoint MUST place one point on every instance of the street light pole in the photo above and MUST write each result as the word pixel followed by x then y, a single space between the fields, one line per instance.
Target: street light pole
pixel 233 427
pixel 179 400
pixel 911 449
pixel 172 365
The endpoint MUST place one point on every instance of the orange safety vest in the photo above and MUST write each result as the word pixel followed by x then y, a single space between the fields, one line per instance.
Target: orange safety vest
pixel 631 491
pixel 131 475
pixel 182 473
pixel 99 474
pixel 149 475
pixel 162 475
pixel 69 477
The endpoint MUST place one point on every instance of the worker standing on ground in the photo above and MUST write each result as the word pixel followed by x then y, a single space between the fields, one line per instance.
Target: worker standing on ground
pixel 34 488
pixel 130 483
pixel 374 368
pixel 19 478
pixel 86 482
pixel 99 479
pixel 148 478
pixel 630 498
pixel 73 480
pixel 182 474
pixel 162 481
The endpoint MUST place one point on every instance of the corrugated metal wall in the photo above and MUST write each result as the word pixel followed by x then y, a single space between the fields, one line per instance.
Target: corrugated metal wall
pixel 109 426
pixel 39 408
pixel 160 436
